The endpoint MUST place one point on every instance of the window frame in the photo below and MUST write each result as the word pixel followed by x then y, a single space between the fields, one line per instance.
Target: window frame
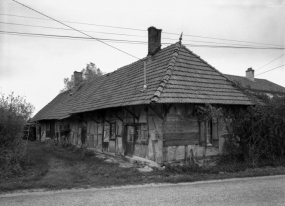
pixel 112 132
pixel 137 138
pixel 209 132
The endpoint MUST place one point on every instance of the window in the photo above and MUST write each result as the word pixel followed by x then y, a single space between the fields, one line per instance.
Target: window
pixel 113 131
pixel 106 133
pixel 143 136
pixel 209 132
pixel 100 132
pixel 130 133
pixel 137 133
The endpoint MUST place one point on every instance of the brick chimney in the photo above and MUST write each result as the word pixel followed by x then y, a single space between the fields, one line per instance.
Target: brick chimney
pixel 154 40
pixel 249 73
pixel 77 78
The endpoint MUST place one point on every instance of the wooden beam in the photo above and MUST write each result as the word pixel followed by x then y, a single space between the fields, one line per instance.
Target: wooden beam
pixel 114 113
pixel 92 118
pixel 78 115
pixel 135 116
pixel 104 119
pixel 167 109
pixel 103 116
pixel 156 112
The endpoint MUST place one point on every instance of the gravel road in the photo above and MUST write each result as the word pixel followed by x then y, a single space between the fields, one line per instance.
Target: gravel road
pixel 247 191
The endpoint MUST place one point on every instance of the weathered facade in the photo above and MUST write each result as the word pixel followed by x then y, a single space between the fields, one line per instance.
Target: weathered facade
pixel 147 109
pixel 162 133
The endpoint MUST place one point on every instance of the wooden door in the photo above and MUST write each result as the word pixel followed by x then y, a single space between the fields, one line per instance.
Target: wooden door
pixel 130 137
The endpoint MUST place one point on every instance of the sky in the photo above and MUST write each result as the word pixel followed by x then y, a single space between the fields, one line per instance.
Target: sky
pixel 34 67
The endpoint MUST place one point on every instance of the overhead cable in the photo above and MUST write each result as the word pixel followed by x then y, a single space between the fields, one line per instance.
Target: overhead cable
pixel 67 37
pixel 270 70
pixel 76 29
pixel 135 29
pixel 59 28
pixel 128 41
pixel 74 22
pixel 270 62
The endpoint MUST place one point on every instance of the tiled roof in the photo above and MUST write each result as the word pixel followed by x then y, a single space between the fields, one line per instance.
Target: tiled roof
pixel 56 109
pixel 195 81
pixel 174 75
pixel 261 85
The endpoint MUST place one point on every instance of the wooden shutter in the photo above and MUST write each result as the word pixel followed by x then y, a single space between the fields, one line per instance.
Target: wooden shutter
pixel 202 133
pixel 215 132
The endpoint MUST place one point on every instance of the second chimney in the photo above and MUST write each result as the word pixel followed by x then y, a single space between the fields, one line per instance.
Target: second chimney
pixel 154 40
pixel 77 78
pixel 249 73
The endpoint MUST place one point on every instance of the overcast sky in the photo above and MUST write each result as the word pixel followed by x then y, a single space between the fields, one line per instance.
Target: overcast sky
pixel 35 67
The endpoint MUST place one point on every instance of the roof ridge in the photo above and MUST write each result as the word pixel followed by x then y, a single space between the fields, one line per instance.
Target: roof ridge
pixel 168 73
pixel 246 77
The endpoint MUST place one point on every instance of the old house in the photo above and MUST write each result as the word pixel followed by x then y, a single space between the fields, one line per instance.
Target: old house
pixel 147 109
pixel 256 87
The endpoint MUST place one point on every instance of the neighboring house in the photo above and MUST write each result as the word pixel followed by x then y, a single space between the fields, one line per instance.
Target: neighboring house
pixel 255 86
pixel 147 109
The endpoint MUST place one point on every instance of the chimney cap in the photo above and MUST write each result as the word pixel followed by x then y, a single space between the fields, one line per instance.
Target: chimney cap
pixel 152 27
pixel 249 69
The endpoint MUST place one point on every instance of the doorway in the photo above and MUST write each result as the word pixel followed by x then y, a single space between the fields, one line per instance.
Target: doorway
pixel 130 140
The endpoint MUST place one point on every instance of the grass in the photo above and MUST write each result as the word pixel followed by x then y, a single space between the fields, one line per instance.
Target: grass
pixel 63 167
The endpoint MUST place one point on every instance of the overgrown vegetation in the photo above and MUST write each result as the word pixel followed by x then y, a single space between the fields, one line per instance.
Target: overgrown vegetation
pixel 88 73
pixel 62 166
pixel 14 112
pixel 259 134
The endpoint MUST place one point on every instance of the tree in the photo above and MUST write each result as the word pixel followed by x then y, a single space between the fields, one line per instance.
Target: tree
pixel 88 73
pixel 14 113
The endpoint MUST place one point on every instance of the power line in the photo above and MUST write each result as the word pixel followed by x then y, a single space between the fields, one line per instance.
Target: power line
pixel 135 29
pixel 125 41
pixel 270 62
pixel 270 70
pixel 233 47
pixel 74 22
pixel 68 37
pixel 59 28
pixel 206 37
pixel 76 29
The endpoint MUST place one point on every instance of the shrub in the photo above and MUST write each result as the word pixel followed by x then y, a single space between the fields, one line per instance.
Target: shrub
pixel 14 112
pixel 260 133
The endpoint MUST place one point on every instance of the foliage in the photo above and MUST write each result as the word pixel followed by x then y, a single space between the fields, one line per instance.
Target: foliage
pixel 208 112
pixel 259 133
pixel 14 112
pixel 88 73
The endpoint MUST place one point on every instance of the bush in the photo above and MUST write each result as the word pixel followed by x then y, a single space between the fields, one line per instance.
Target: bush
pixel 259 133
pixel 14 112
